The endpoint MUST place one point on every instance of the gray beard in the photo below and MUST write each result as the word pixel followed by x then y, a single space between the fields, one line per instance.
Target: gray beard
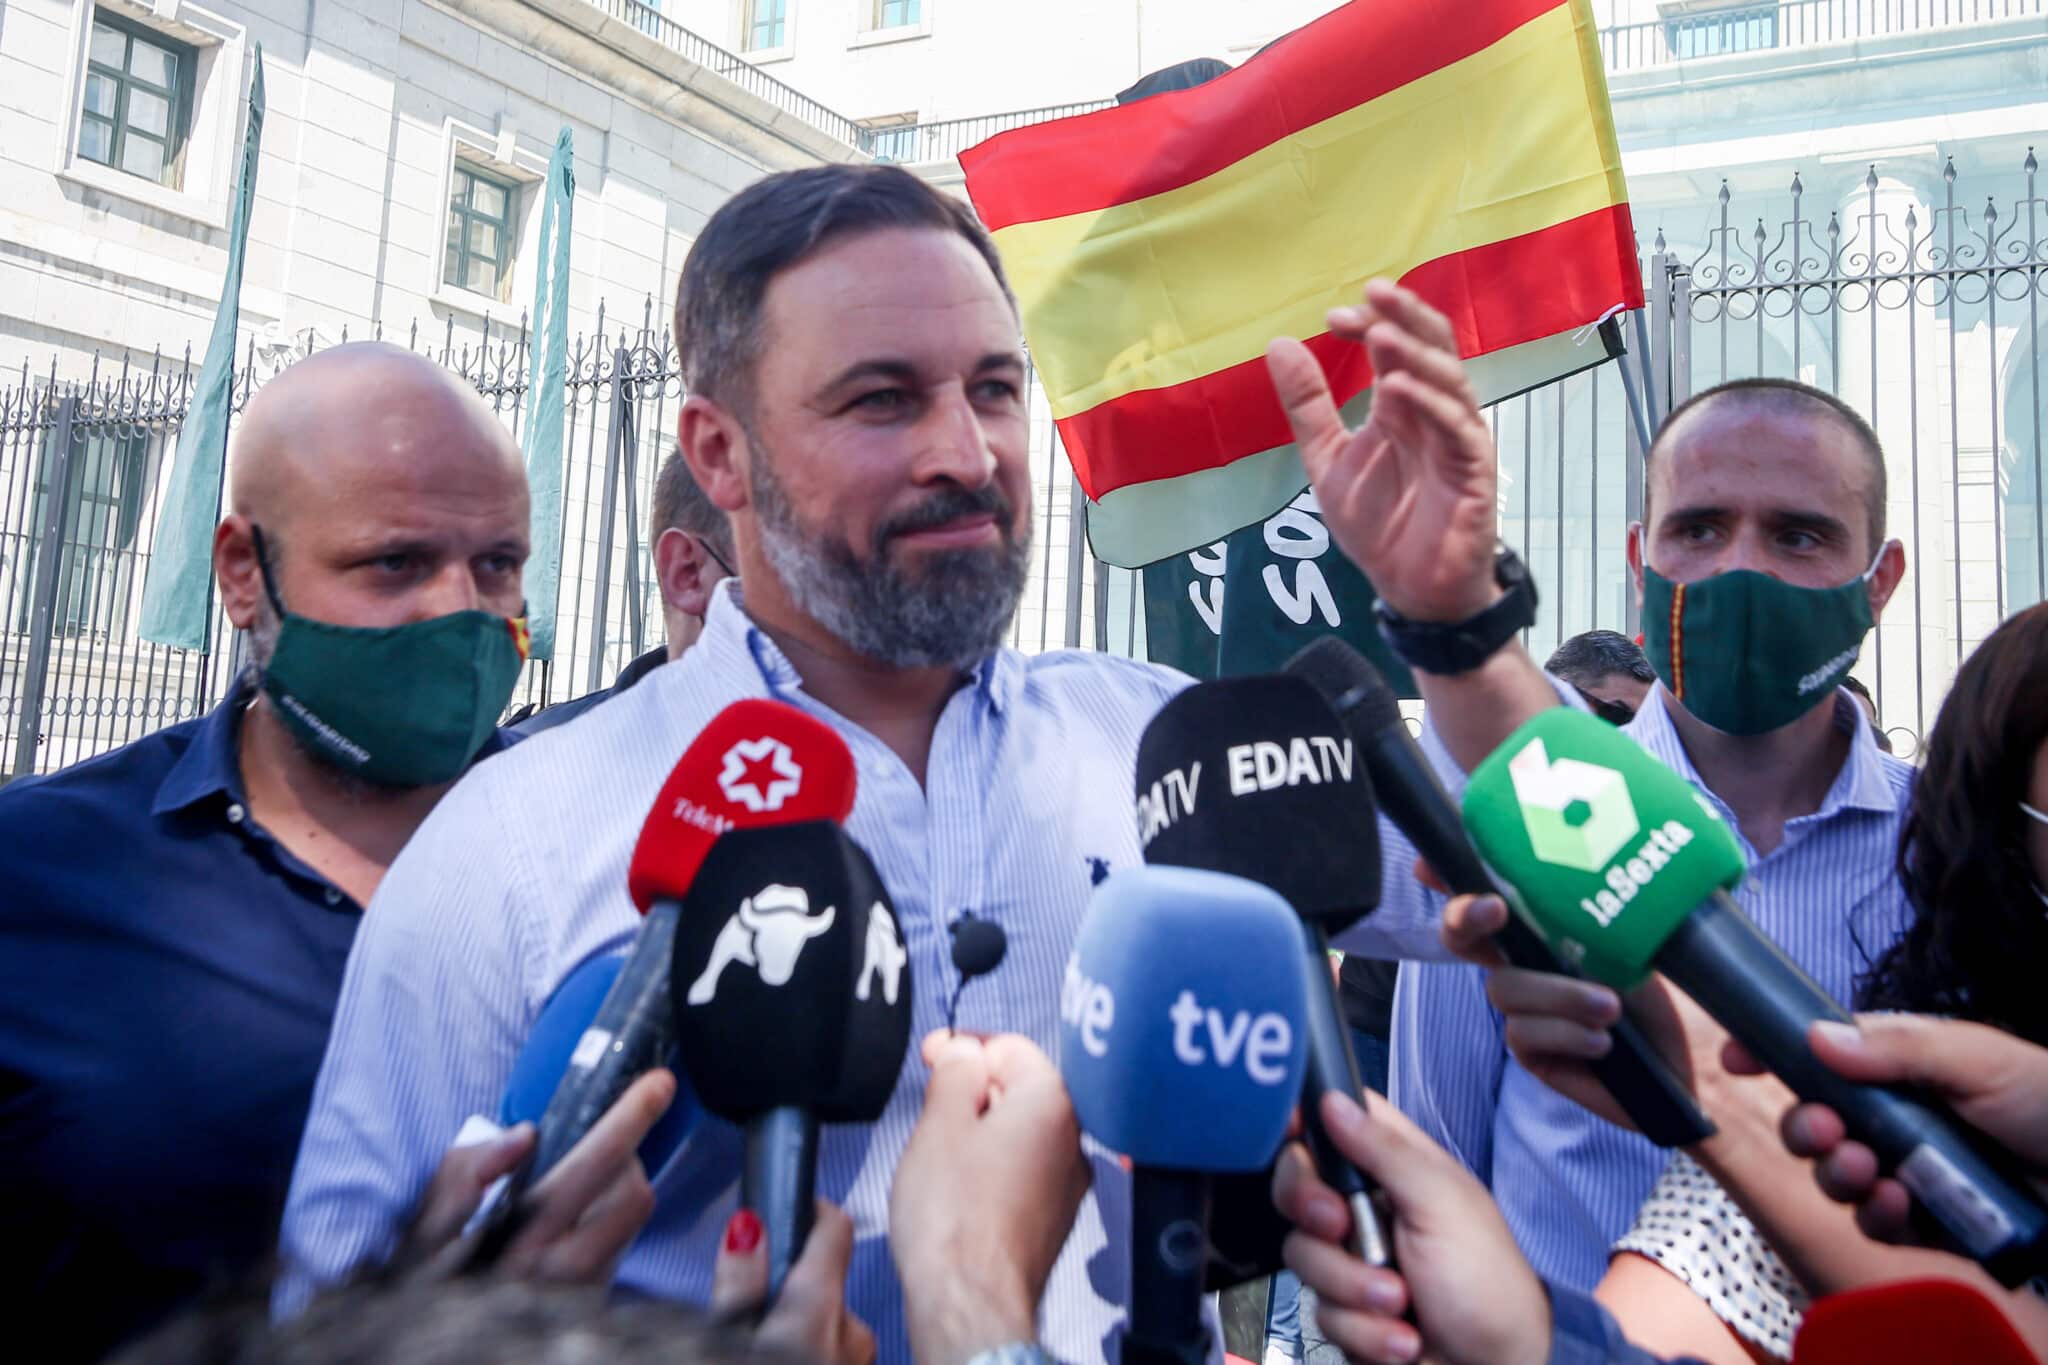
pixel 953 615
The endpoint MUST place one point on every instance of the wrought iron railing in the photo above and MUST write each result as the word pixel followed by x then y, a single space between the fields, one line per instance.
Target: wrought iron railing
pixel 916 143
pixel 1790 24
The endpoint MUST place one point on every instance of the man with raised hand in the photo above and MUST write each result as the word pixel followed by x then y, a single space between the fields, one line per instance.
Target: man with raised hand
pixel 857 409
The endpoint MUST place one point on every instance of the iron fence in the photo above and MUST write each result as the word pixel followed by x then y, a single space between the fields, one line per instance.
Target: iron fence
pixel 1789 24
pixel 1920 301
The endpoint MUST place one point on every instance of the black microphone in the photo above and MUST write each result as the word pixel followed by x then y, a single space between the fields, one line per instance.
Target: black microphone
pixel 1256 777
pixel 1408 791
pixel 792 993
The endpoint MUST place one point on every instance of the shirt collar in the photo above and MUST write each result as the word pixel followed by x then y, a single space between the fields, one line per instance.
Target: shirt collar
pixel 1860 785
pixel 212 763
pixel 731 637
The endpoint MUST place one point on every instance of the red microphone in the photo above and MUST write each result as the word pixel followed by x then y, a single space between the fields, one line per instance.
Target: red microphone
pixel 1909 1322
pixel 757 762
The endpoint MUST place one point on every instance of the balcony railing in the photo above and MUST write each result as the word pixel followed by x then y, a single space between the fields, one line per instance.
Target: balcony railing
pixel 1790 24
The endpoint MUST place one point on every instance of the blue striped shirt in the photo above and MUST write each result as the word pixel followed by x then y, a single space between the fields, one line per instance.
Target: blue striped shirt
pixel 1570 1183
pixel 519 875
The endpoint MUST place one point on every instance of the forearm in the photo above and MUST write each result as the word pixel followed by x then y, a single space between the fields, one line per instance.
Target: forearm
pixel 1473 712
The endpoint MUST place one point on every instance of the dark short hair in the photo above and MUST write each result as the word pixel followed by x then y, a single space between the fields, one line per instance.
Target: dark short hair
pixel 680 504
pixel 1856 685
pixel 1788 396
pixel 450 1322
pixel 774 224
pixel 1585 659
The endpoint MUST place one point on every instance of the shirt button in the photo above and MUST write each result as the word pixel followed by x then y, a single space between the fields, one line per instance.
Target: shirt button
pixel 333 896
pixel 235 813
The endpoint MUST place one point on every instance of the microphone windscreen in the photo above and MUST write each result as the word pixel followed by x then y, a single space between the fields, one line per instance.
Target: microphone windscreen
pixel 538 1068
pixel 757 762
pixel 1182 1019
pixel 978 946
pixel 1604 850
pixel 1256 777
pixel 1910 1322
pixel 1347 680
pixel 792 983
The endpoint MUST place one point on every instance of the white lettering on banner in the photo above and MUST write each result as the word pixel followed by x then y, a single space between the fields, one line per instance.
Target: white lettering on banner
pixel 1210 563
pixel 1171 798
pixel 1627 878
pixel 1265 764
pixel 1261 1038
pixel 1088 1008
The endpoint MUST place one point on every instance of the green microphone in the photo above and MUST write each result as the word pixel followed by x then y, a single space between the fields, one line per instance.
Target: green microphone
pixel 1623 868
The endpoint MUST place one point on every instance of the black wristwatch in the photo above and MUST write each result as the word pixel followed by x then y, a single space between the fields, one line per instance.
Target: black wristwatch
pixel 1451 647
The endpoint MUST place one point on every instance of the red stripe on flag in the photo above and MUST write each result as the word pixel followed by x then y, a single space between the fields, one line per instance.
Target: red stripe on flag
pixel 1354 54
pixel 1499 295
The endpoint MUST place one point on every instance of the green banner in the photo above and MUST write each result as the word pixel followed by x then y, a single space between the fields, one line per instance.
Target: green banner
pixel 1288 583
pixel 547 383
pixel 177 597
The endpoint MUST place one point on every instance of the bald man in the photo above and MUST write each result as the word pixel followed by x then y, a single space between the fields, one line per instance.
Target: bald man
pixel 175 915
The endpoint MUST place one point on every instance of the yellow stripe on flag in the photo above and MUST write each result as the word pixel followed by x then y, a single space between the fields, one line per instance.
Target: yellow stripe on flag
pixel 1166 289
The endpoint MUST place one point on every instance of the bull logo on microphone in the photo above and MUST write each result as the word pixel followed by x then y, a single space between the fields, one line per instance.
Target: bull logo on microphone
pixel 768 933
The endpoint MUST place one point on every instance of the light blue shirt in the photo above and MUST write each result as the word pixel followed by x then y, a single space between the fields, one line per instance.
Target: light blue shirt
pixel 519 875
pixel 1570 1183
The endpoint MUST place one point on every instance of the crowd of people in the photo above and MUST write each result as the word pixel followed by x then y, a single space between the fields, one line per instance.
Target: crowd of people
pixel 263 971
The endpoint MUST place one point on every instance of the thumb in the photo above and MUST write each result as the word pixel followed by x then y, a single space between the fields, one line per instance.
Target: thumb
pixel 960 1078
pixel 1305 397
pixel 1888 1048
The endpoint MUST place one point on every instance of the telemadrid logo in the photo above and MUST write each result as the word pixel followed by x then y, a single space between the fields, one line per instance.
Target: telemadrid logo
pixel 742 789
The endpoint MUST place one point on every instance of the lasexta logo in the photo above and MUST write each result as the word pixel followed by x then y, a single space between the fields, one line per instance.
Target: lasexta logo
pixel 759 774
pixel 1578 814
pixel 767 933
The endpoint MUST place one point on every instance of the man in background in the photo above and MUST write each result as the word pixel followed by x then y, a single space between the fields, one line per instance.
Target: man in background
pixel 1608 668
pixel 692 555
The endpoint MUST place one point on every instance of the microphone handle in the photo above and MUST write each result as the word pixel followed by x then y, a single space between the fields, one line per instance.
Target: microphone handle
pixel 1169 1255
pixel 1407 788
pixel 628 1037
pixel 778 1181
pixel 1333 1066
pixel 1763 998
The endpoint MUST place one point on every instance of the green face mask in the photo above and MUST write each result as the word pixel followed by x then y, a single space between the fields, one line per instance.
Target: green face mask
pixel 1746 652
pixel 401 706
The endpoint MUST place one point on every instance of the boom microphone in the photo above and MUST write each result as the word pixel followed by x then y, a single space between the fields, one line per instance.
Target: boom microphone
pixel 792 1000
pixel 1409 793
pixel 1256 777
pixel 1181 1043
pixel 1622 867
pixel 758 762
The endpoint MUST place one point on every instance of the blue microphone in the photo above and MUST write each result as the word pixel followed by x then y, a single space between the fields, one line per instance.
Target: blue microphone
pixel 1183 1042
pixel 541 1063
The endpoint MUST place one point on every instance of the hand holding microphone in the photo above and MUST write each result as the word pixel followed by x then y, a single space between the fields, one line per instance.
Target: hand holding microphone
pixel 1181 1043
pixel 984 1196
pixel 1622 867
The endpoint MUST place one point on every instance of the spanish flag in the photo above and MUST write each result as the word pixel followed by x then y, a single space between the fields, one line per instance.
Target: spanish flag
pixel 1465 147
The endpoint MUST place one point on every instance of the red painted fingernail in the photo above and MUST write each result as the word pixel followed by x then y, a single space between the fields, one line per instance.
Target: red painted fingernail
pixel 743 1233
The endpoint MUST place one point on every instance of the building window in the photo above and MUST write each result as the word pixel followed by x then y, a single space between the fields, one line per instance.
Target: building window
pixel 138 97
pixel 765 27
pixel 892 137
pixel 895 13
pixel 481 214
pixel 1747 28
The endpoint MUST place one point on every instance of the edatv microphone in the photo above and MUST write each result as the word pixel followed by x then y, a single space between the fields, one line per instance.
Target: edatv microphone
pixel 1623 867
pixel 757 762
pixel 1408 791
pixel 1255 777
pixel 1908 1322
pixel 792 999
pixel 538 1069
pixel 1182 1045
